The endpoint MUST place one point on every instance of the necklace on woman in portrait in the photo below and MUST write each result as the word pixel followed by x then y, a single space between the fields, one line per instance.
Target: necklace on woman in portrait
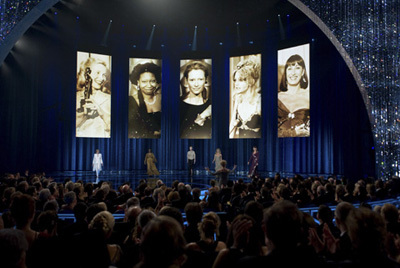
pixel 151 102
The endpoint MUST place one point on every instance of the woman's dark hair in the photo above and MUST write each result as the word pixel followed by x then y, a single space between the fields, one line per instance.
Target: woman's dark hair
pixel 291 62
pixel 144 68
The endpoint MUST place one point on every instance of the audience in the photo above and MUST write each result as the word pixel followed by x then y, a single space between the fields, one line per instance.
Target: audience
pixel 256 223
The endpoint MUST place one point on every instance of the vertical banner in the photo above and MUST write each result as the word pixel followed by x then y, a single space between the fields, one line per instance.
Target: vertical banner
pixel 195 99
pixel 294 92
pixel 93 95
pixel 144 98
pixel 245 97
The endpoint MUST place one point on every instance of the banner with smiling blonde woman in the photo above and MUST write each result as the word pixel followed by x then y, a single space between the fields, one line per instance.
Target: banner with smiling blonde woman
pixel 93 95
pixel 245 97
pixel 294 92
pixel 195 99
pixel 144 98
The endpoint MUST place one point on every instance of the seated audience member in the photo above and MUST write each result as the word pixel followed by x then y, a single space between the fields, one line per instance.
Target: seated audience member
pixel 194 214
pixel 13 248
pixel 70 202
pixel 46 250
pixel 390 214
pixel 94 250
pixel 163 236
pixel 243 241
pixel 132 243
pixel 367 233
pixel 325 217
pixel 204 251
pixel 80 225
pixel 23 211
pixel 283 226
pixel 123 229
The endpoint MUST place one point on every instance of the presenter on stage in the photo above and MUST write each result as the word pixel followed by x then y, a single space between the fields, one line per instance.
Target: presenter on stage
pixel 253 162
pixel 97 163
pixel 150 160
pixel 191 160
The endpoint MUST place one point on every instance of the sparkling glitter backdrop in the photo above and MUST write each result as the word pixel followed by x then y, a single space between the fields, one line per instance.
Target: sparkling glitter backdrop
pixel 11 12
pixel 367 30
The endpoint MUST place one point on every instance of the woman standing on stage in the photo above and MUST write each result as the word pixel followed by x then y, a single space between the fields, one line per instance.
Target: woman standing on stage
pixel 253 162
pixel 97 163
pixel 217 159
pixel 150 160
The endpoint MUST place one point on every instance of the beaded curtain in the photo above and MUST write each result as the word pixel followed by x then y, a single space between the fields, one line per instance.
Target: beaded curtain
pixel 368 33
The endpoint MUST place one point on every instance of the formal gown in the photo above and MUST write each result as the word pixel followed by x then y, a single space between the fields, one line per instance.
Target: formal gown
pixel 253 164
pixel 151 165
pixel 217 160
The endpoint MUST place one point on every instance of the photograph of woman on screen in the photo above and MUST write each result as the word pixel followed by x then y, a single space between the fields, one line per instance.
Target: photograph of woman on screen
pixel 93 97
pixel 245 99
pixel 294 100
pixel 145 101
pixel 195 103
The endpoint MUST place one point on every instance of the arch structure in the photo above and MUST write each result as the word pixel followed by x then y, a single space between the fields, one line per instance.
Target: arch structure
pixel 368 55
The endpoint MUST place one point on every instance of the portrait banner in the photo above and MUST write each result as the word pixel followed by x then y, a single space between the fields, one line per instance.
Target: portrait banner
pixel 195 99
pixel 144 110
pixel 245 117
pixel 93 95
pixel 294 92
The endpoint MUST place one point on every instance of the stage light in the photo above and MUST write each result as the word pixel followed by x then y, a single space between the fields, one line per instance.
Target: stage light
pixel 150 40
pixel 105 37
pixel 220 43
pixel 194 47
pixel 77 17
pixel 251 42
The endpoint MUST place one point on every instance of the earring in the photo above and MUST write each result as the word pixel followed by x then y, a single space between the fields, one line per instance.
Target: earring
pixel 304 80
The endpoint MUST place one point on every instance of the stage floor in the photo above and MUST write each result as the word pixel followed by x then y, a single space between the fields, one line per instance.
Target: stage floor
pixel 199 180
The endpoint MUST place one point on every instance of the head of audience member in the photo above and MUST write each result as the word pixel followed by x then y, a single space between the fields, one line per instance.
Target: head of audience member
pixel 196 192
pixel 47 223
pixel 164 236
pixel 283 226
pixel 104 222
pixel 44 195
pixel 342 211
pixel 131 214
pixel 13 246
pixel 194 213
pixel 223 164
pixel 132 202
pixel 23 210
pixel 255 210
pixel 209 226
pixel 80 212
pixel 367 232
pixel 93 209
pixel 325 214
pixel 70 200
pixel 51 205
pixel 142 220
pixel 173 213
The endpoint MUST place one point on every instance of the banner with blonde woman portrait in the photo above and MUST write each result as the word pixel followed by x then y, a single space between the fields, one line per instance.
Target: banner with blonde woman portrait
pixel 144 98
pixel 245 97
pixel 195 99
pixel 294 92
pixel 93 95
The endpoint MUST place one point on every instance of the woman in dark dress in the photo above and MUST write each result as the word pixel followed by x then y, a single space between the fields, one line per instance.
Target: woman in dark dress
pixel 253 162
pixel 294 100
pixel 145 102
pixel 195 104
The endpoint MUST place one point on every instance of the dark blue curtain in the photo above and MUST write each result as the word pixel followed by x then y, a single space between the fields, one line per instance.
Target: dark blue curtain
pixel 37 105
